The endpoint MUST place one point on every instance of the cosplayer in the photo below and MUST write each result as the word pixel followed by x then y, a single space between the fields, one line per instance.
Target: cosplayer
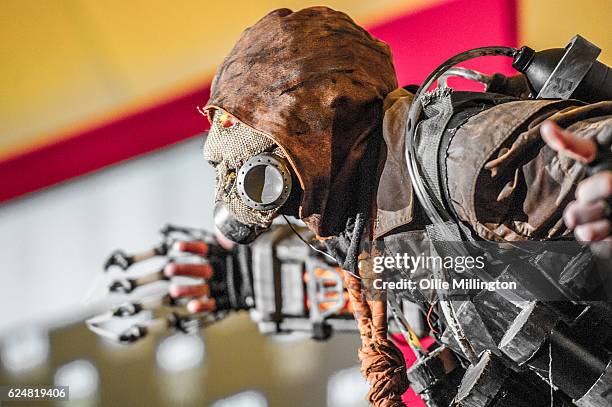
pixel 307 121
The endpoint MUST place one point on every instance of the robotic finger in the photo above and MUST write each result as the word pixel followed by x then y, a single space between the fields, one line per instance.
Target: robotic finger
pixel 132 321
pixel 128 285
pixel 171 235
pixel 133 308
pixel 138 330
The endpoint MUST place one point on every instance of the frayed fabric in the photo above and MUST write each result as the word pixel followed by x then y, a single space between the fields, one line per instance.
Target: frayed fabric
pixel 314 82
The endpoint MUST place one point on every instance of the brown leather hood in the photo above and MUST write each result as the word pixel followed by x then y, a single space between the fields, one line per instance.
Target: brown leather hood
pixel 314 81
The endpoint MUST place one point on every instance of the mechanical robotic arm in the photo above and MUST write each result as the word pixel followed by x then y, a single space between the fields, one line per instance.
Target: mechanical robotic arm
pixel 284 284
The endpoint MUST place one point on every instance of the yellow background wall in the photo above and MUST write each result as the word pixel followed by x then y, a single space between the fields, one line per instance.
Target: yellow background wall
pixel 70 64
pixel 551 23
pixel 67 64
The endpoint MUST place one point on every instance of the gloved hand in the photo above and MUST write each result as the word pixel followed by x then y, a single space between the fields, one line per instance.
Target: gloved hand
pixel 199 294
pixel 590 214
pixel 221 285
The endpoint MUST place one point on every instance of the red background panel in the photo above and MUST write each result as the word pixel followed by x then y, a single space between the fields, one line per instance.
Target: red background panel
pixel 422 40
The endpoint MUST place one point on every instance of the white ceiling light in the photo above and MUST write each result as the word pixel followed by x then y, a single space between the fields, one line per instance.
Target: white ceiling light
pixel 24 350
pixel 347 388
pixel 249 398
pixel 180 352
pixel 81 377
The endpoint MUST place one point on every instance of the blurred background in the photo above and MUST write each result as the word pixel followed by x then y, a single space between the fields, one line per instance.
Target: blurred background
pixel 100 146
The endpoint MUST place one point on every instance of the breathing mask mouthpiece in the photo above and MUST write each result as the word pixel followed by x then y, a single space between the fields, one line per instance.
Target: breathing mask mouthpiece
pixel 263 183
pixel 232 228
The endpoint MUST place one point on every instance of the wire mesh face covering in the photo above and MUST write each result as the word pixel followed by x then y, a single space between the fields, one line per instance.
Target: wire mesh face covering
pixel 228 145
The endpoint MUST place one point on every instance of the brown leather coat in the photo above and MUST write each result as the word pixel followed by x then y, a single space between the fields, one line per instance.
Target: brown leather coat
pixel 504 182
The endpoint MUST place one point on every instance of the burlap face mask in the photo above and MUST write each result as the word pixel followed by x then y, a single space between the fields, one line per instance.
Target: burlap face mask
pixel 228 146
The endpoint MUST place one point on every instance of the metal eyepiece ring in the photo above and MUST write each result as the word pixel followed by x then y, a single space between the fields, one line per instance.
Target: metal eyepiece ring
pixel 264 182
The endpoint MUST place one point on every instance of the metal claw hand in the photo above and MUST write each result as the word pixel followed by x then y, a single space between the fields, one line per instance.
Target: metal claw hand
pixel 189 252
